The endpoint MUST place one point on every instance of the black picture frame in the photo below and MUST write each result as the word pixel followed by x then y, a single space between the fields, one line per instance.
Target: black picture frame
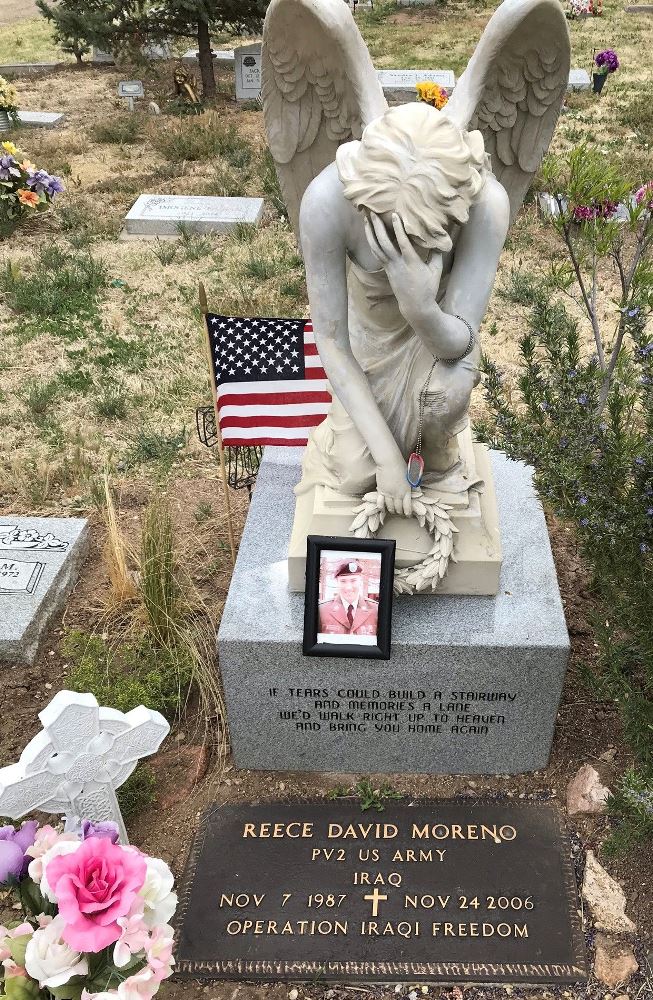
pixel 315 546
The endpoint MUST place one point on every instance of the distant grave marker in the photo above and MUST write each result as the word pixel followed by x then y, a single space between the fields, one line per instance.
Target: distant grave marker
pixel 41 119
pixel 399 84
pixel 223 57
pixel 441 891
pixel 40 558
pixel 100 56
pixel 248 72
pixel 129 90
pixel 579 79
pixel 154 215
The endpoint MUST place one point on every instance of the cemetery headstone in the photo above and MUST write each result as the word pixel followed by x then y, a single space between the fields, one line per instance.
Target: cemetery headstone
pixel 223 57
pixel 155 215
pixel 478 891
pixel 129 90
pixel 100 56
pixel 399 84
pixel 640 8
pixel 81 757
pixel 40 559
pixel 579 79
pixel 247 60
pixel 41 119
pixel 17 69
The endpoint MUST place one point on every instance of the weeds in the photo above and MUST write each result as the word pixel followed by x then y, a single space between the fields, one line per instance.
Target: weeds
pixel 124 129
pixel 165 251
pixel 151 446
pixel 68 288
pixel 39 397
pixel 111 404
pixel 204 139
pixel 370 797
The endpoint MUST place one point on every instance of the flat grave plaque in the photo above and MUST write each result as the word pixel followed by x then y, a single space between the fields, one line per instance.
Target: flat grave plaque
pixel 160 215
pixel 41 119
pixel 399 84
pixel 452 890
pixel 40 558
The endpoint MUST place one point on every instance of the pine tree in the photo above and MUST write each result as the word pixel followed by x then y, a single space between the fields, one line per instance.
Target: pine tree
pixel 116 24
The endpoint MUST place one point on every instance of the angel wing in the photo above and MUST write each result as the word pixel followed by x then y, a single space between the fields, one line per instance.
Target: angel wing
pixel 513 89
pixel 319 89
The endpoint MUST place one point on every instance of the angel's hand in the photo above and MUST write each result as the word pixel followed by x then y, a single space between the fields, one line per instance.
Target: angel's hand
pixel 414 282
pixel 394 488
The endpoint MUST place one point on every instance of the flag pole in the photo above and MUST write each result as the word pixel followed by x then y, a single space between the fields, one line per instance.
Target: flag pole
pixel 223 469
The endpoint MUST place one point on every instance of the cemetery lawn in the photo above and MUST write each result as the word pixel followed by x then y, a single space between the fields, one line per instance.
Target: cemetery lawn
pixel 102 368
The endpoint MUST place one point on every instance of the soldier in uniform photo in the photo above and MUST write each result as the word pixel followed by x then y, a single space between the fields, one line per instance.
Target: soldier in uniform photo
pixel 349 612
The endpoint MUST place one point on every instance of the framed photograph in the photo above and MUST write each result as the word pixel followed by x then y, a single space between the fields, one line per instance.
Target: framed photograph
pixel 348 609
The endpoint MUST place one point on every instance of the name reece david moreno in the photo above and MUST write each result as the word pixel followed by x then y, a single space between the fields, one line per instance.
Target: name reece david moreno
pixel 296 829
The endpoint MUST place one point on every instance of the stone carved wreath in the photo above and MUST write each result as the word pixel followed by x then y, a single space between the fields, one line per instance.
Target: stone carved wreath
pixel 429 513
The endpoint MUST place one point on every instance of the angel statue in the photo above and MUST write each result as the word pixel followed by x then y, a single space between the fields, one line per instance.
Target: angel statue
pixel 401 214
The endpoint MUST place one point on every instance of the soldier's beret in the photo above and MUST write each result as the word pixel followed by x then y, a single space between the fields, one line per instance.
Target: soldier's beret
pixel 351 568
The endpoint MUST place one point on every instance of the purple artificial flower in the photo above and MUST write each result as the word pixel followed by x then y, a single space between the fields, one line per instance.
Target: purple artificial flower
pixel 643 547
pixel 13 844
pixel 55 186
pixel 582 500
pixel 38 180
pixel 607 61
pixel 584 521
pixel 582 399
pixel 8 167
pixel 103 831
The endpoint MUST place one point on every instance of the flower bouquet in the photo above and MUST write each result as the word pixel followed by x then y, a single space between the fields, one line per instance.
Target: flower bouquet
pixel 605 62
pixel 8 104
pixel 94 915
pixel 24 189
pixel 432 93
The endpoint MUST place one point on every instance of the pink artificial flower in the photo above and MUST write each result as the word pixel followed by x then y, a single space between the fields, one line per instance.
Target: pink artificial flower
pixel 94 886
pixel 134 935
pixel 13 971
pixel 22 930
pixel 159 952
pixel 46 838
pixel 141 986
pixel 644 193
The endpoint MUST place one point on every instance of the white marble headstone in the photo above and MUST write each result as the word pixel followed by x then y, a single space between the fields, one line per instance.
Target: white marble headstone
pixel 41 119
pixel 579 79
pixel 161 214
pixel 81 757
pixel 248 72
pixel 40 559
pixel 399 84
pixel 223 57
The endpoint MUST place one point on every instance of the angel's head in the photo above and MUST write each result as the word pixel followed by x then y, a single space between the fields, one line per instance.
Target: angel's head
pixel 415 161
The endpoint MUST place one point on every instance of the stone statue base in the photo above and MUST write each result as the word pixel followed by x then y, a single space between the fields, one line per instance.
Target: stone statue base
pixel 477 548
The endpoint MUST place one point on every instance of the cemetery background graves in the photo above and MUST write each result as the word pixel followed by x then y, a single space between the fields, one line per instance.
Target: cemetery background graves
pixel 102 369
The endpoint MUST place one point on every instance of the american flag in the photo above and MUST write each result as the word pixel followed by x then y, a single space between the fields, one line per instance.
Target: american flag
pixel 270 383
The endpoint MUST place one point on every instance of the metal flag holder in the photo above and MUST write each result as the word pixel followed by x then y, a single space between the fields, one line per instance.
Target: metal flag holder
pixel 242 462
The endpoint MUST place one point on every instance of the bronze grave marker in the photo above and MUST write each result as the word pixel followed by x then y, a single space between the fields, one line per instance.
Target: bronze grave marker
pixel 450 890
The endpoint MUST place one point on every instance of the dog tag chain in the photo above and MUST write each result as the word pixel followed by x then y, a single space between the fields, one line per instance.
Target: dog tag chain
pixel 415 466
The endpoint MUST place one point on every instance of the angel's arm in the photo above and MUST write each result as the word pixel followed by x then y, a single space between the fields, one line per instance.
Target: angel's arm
pixel 323 230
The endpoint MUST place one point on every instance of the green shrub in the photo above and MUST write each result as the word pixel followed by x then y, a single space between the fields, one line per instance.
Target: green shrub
pixel 138 792
pixel 129 674
pixel 586 424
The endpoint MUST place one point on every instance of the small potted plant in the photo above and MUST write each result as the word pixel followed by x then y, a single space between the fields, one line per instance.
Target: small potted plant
pixel 605 62
pixel 24 189
pixel 8 105
pixel 432 93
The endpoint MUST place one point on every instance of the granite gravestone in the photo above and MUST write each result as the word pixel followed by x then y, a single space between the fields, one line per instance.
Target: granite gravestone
pixel 155 215
pixel 472 685
pixel 579 79
pixel 476 890
pixel 40 558
pixel 247 61
pixel 41 119
pixel 399 84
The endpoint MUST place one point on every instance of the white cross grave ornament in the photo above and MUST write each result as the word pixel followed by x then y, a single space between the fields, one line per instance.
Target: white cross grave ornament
pixel 83 754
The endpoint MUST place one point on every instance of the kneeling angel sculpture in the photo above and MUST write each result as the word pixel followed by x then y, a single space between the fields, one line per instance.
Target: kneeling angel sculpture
pixel 402 214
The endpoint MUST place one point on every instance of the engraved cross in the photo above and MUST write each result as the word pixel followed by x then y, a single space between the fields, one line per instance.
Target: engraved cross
pixel 375 898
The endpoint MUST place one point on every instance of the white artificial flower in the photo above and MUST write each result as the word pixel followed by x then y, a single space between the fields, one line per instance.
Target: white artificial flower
pixel 61 847
pixel 160 902
pixel 48 958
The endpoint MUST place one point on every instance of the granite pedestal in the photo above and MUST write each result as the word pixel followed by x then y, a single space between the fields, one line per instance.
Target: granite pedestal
pixel 472 685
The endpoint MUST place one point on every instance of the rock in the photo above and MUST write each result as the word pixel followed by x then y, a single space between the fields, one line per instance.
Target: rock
pixel 614 962
pixel 605 899
pixel 585 793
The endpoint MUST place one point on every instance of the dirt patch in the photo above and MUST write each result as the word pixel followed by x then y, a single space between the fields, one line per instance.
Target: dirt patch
pixel 12 11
